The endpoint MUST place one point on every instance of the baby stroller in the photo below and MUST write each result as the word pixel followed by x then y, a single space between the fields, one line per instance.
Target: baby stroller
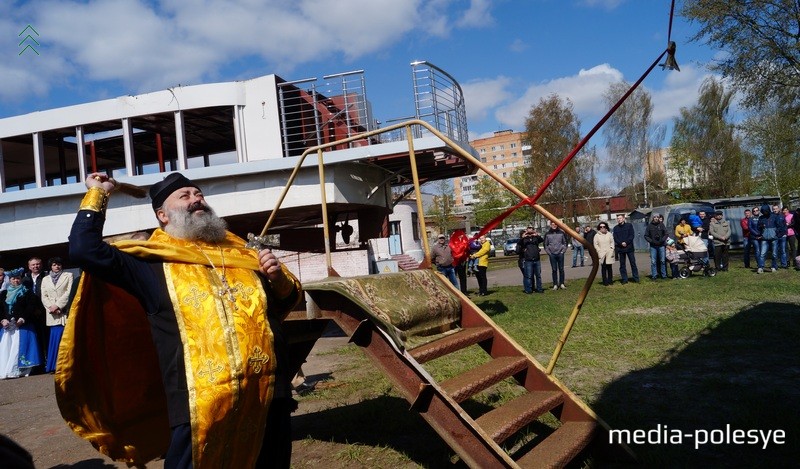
pixel 695 258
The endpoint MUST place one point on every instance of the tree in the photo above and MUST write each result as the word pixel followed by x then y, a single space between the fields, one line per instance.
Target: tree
pixel 491 200
pixel 762 44
pixel 441 208
pixel 631 138
pixel 704 140
pixel 552 129
pixel 773 138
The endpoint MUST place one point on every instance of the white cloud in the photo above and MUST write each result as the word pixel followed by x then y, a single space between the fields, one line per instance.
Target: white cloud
pixel 482 96
pixel 151 44
pixel 680 90
pixel 477 15
pixel 606 4
pixel 27 73
pixel 585 90
pixel 518 46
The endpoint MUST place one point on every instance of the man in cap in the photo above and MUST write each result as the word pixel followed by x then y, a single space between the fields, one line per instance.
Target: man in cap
pixel 211 307
pixel 719 232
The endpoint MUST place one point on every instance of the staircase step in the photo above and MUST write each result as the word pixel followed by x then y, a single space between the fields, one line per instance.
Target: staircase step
pixel 451 343
pixel 463 386
pixel 512 416
pixel 561 446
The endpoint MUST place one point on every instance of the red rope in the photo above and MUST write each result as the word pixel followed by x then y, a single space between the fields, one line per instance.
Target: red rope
pixel 532 199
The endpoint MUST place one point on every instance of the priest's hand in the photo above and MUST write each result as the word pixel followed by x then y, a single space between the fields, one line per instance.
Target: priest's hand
pixel 268 264
pixel 102 181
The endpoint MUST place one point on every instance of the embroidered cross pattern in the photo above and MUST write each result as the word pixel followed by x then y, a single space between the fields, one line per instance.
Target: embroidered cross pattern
pixel 195 296
pixel 258 359
pixel 244 291
pixel 210 370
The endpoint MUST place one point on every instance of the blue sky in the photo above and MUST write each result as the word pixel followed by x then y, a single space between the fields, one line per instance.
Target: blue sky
pixel 506 54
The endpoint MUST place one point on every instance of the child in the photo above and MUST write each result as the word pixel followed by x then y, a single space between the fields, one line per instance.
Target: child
pixel 673 257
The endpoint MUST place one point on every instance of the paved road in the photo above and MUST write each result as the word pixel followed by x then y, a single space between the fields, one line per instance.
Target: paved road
pixel 506 277
pixel 30 416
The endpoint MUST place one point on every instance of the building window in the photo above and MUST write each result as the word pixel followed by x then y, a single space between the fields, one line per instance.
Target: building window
pixel 415 225
pixel 482 150
pixel 513 145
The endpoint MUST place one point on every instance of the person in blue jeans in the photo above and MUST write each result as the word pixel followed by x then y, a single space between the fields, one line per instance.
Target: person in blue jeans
pixel 577 248
pixel 623 245
pixel 755 238
pixel 555 245
pixel 772 226
pixel 780 224
pixel 529 251
pixel 442 258
pixel 656 235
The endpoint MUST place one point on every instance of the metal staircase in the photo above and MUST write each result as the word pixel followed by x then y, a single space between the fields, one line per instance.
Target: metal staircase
pixel 500 437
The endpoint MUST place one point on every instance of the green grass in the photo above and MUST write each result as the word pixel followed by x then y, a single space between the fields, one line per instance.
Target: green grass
pixel 693 354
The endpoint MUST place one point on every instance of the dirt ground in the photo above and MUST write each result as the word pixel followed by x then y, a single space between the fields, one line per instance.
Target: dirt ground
pixel 29 415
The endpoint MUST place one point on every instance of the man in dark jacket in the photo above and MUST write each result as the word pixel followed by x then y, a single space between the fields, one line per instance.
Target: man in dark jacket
pixel 623 245
pixel 772 226
pixel 555 244
pixel 528 250
pixel 755 237
pixel 656 235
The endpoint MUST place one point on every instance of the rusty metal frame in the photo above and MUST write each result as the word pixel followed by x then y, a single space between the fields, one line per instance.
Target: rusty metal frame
pixel 426 246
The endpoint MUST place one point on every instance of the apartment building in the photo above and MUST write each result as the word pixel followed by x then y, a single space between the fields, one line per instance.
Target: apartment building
pixel 503 152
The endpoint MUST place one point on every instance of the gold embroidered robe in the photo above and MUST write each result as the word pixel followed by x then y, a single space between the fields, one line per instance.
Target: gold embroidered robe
pixel 108 384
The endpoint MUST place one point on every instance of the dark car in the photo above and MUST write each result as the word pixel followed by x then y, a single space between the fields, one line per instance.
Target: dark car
pixel 510 247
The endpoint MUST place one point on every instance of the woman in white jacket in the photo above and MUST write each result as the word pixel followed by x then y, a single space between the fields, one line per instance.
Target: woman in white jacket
pixel 56 288
pixel 604 245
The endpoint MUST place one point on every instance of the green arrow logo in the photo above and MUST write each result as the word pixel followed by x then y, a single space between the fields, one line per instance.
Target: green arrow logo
pixel 28 38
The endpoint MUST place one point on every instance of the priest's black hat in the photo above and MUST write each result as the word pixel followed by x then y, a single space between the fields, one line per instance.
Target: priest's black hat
pixel 161 190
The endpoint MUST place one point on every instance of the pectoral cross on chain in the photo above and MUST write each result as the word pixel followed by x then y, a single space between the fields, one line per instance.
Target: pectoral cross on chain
pixel 226 288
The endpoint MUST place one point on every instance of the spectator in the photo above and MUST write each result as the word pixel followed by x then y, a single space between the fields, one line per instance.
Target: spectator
pixel 747 244
pixel 459 246
pixel 3 280
pixel 56 289
pixel 682 231
pixel 694 221
pixel 623 245
pixel 529 251
pixel 702 231
pixel 577 248
pixel 656 235
pixel 482 256
pixel 673 257
pixel 442 258
pixel 588 234
pixel 19 349
pixel 33 281
pixel 782 233
pixel 791 235
pixel 719 232
pixel 770 231
pixel 603 243
pixel 755 237
pixel 555 245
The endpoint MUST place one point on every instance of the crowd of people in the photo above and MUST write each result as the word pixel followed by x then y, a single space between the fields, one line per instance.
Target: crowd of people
pixel 34 306
pixel 700 241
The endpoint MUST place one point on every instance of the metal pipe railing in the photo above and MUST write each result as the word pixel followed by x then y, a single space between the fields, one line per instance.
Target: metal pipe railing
pixel 415 180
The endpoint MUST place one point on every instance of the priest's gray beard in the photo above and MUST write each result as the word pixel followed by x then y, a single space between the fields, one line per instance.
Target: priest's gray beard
pixel 205 226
